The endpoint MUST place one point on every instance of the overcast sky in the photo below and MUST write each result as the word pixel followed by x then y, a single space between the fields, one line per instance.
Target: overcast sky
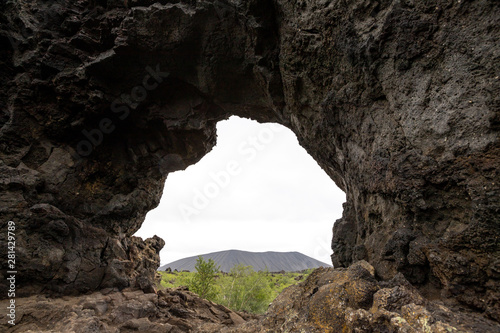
pixel 257 190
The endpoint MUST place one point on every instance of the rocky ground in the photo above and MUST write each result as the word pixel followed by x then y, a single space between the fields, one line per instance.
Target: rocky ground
pixel 352 300
pixel 397 100
pixel 329 301
pixel 110 311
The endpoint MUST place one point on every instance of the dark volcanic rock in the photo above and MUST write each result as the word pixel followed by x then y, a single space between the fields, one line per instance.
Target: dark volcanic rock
pixel 398 101
pixel 171 310
pixel 351 300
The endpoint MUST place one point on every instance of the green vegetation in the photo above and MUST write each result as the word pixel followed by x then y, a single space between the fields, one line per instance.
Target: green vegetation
pixel 174 279
pixel 242 289
pixel 203 280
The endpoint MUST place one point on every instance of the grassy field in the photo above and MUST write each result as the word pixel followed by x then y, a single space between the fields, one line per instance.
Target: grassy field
pixel 248 291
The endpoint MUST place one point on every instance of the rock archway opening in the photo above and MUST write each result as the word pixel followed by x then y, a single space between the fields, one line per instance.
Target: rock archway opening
pixel 257 190
pixel 397 102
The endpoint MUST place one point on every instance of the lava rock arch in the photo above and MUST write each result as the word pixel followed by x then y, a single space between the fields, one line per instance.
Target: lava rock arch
pixel 396 100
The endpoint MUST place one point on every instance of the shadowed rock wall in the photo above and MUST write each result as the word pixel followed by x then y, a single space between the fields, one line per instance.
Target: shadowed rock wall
pixel 396 100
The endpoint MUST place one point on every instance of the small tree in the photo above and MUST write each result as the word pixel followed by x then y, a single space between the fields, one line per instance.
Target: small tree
pixel 203 281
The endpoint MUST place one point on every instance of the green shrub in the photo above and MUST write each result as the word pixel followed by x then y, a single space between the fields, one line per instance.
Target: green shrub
pixel 243 289
pixel 203 281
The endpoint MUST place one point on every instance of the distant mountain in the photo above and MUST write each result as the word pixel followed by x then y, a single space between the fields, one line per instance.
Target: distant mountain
pixel 273 261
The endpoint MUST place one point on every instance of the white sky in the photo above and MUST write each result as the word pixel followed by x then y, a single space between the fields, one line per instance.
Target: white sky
pixel 257 190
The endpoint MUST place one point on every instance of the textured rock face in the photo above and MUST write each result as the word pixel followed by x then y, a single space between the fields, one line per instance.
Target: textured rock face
pixel 98 105
pixel 352 300
pixel 396 100
pixel 172 311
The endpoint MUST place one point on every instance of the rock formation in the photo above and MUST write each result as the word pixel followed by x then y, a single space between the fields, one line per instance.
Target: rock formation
pixel 398 101
pixel 352 300
pixel 329 301
pixel 169 311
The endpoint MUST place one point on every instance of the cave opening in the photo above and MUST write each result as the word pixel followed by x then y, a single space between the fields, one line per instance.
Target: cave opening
pixel 258 190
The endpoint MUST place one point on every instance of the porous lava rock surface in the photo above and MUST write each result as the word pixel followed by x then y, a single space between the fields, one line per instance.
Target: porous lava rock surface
pixel 328 301
pixel 352 300
pixel 107 311
pixel 398 101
